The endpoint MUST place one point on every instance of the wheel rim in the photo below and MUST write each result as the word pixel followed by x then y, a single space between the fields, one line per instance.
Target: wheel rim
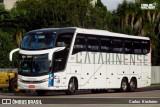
pixel 72 87
pixel 124 86
pixel 132 85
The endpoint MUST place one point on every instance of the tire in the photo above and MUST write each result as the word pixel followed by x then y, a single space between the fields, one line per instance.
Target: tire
pixel 133 85
pixel 71 87
pixel 13 85
pixel 124 85
pixel 41 92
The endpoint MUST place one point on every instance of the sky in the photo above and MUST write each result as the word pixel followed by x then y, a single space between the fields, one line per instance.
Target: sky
pixel 112 4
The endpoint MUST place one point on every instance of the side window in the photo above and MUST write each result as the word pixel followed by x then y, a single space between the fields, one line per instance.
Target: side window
pixel 137 47
pixel 117 46
pixel 80 44
pixel 64 39
pixel 60 57
pixel 106 45
pixel 145 47
pixel 92 44
pixel 128 46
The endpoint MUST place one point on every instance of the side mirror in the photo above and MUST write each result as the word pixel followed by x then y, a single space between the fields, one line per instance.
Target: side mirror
pixel 50 54
pixel 61 44
pixel 11 53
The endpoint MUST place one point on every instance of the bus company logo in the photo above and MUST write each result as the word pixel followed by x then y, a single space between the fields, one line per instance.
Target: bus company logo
pixel 149 6
pixel 111 58
pixel 6 101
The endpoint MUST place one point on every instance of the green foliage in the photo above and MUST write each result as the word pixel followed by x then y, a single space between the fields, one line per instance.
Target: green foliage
pixel 6 45
pixel 27 15
pixel 134 20
pixel 63 13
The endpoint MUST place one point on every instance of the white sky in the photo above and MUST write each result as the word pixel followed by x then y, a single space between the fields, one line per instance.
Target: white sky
pixel 112 4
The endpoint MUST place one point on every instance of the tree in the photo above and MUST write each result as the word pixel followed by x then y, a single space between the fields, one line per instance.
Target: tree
pixel 6 45
pixel 141 22
pixel 128 18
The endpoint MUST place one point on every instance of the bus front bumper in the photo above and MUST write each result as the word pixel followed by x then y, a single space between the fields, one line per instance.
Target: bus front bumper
pixel 38 86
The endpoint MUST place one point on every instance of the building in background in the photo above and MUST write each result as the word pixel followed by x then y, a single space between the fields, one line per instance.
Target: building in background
pixel 8 3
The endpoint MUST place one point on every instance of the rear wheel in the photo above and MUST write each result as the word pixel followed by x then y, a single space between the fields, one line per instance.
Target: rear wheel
pixel 71 87
pixel 133 85
pixel 41 92
pixel 124 85
pixel 13 85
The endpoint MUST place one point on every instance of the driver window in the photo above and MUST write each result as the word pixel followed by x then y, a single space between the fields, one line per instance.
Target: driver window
pixel 60 57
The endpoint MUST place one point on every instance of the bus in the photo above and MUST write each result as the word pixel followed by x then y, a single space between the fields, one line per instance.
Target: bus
pixel 71 59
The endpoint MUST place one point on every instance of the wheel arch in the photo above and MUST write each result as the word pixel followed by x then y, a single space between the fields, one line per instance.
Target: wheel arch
pixel 125 78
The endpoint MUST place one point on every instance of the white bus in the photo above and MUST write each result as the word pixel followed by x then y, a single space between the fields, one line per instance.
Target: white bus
pixel 72 59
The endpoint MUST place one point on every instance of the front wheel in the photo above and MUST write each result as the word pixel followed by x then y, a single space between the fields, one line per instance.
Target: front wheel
pixel 71 87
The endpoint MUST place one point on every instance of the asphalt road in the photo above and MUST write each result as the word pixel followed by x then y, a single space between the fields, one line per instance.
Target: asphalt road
pixel 87 99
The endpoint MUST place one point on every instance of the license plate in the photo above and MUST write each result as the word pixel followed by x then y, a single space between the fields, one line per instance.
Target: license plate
pixel 31 86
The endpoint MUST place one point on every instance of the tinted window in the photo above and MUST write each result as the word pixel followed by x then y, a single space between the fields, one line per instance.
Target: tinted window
pixel 65 39
pixel 60 57
pixel 34 65
pixel 80 44
pixel 38 41
pixel 92 44
pixel 97 43
pixel 145 47
pixel 105 45
pixel 128 46
pixel 137 47
pixel 117 45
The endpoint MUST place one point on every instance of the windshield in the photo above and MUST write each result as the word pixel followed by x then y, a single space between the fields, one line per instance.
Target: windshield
pixel 34 65
pixel 38 41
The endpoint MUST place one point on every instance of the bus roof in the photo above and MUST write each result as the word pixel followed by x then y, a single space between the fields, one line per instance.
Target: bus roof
pixel 52 30
pixel 108 33
pixel 88 31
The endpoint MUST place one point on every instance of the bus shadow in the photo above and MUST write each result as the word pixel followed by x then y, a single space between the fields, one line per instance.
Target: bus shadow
pixel 79 92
